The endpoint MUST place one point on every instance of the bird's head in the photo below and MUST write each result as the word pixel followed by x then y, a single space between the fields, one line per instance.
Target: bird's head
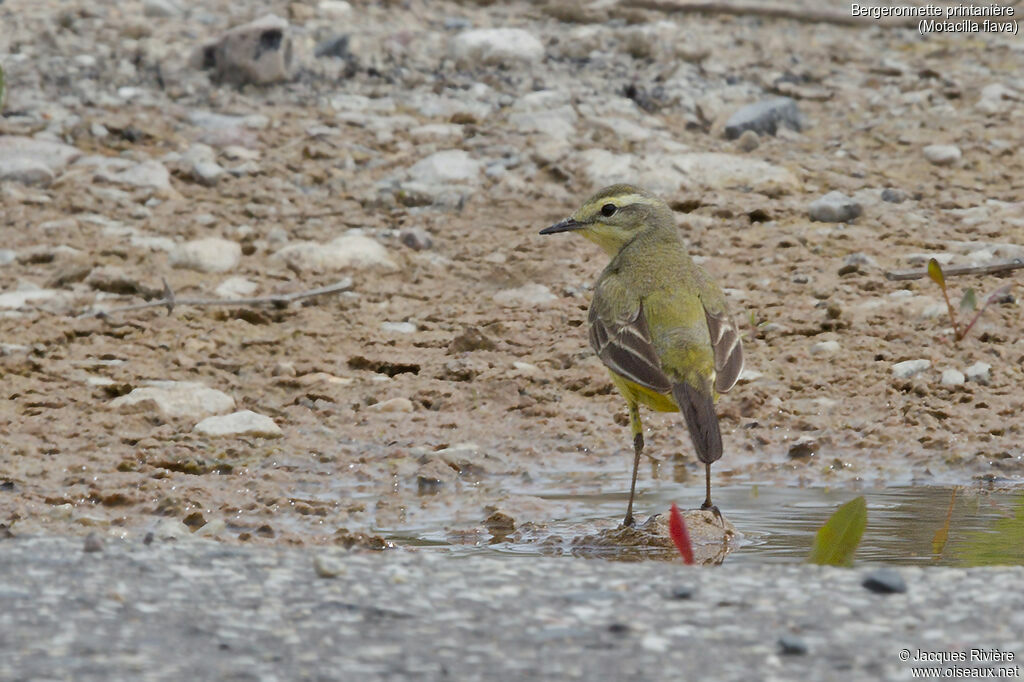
pixel 615 215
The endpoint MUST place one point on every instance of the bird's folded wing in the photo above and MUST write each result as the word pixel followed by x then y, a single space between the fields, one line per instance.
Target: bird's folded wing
pixel 728 349
pixel 623 343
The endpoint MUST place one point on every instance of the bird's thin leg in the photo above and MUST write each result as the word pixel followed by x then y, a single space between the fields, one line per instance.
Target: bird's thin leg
pixel 638 446
pixel 707 500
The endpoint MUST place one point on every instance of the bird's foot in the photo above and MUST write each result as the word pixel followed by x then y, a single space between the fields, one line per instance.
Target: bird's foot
pixel 628 521
pixel 714 510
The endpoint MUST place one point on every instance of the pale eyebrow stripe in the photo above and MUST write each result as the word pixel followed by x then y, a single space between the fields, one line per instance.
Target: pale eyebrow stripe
pixel 627 199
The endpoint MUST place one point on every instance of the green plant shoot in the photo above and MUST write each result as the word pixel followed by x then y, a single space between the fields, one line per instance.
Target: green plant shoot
pixel 837 541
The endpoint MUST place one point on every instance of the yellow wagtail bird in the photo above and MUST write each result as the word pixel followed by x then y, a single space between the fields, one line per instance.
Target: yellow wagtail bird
pixel 658 321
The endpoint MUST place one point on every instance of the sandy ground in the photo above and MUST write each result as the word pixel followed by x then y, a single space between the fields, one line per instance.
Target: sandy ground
pixel 504 395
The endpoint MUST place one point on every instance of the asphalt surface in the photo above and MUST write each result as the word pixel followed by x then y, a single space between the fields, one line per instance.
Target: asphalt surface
pixel 198 610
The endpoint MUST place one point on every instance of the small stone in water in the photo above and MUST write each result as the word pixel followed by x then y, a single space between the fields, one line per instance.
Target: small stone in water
pixel 93 543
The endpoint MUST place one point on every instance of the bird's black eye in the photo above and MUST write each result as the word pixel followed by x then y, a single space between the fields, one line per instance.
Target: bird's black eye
pixel 608 210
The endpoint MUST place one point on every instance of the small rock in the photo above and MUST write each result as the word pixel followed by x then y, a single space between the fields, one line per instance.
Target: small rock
pixel 327 567
pixel 235 287
pixel 354 251
pixel 207 172
pixel 526 295
pixel 93 543
pixel 207 255
pixel 748 141
pixel 150 173
pixel 334 46
pixel 997 98
pixel 392 405
pixel 952 377
pixel 54 155
pixel 242 423
pixel 803 448
pixel 114 280
pixel 834 207
pixel 885 581
pixel 825 348
pixel 494 46
pixel 723 171
pixel 859 259
pixel 942 154
pixel 176 399
pixel 765 118
pixel 893 196
pixel 471 339
pixel 398 327
pixel 908 368
pixel 334 9
pixel 161 8
pixel 451 165
pixel 434 474
pixel 18 299
pixel 791 645
pixel 416 238
pixel 259 52
pixel 682 592
pixel 26 171
pixel 978 372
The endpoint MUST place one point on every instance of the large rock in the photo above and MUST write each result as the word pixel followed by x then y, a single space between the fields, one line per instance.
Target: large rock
pixel 450 165
pixel 54 154
pixel 26 171
pixel 148 174
pixel 765 118
pixel 207 255
pixel 490 46
pixel 176 399
pixel 243 423
pixel 350 251
pixel 259 52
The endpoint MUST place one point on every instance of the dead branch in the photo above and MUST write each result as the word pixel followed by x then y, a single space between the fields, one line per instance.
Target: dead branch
pixel 991 268
pixel 169 300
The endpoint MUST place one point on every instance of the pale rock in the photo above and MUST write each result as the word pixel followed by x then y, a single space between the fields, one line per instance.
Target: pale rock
pixel 212 254
pixel 825 348
pixel 723 171
pixel 162 8
pixel 834 207
pixel 18 299
pixel 908 368
pixel 150 173
pixel 175 399
pixel 953 377
pixel 398 327
pixel 765 118
pixel 242 423
pixel 996 98
pixel 436 132
pixel 602 167
pixel 942 154
pixel 334 9
pixel 259 52
pixel 493 46
pixel 451 165
pixel 54 155
pixel 559 122
pixel 532 294
pixel 25 171
pixel 392 405
pixel 353 251
pixel 236 287
pixel 978 372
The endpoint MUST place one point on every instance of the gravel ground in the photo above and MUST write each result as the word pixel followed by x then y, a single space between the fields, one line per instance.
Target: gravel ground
pixel 197 609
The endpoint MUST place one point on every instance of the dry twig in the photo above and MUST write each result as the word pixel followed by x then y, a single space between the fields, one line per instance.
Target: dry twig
pixel 278 300
pixel 989 269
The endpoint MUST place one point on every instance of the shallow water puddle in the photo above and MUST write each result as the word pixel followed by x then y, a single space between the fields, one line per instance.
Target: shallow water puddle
pixel 907 525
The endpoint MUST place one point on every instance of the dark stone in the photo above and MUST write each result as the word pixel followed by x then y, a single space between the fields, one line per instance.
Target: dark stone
pixel 885 581
pixel 681 593
pixel 894 196
pixel 791 645
pixel 93 543
pixel 335 46
pixel 765 117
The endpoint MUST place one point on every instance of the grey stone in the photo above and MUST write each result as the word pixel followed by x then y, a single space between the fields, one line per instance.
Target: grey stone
pixel 416 238
pixel 351 251
pixel 885 581
pixel 212 254
pixel 236 287
pixel 791 645
pixel 25 170
pixel 242 423
pixel 259 52
pixel 162 8
pixel 893 196
pixel 825 348
pixel 492 46
pixel 175 399
pixel 765 118
pixel 953 377
pixel 749 141
pixel 834 207
pixel 527 295
pixel 54 155
pixel 908 368
pixel 942 154
pixel 978 372
pixel 451 165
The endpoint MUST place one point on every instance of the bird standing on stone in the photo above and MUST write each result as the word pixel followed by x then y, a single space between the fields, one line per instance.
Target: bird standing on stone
pixel 658 321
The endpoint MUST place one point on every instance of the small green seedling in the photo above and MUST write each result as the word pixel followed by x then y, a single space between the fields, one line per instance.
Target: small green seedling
pixel 968 302
pixel 837 541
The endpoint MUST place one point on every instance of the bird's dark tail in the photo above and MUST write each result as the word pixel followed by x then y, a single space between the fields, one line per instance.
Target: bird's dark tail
pixel 698 408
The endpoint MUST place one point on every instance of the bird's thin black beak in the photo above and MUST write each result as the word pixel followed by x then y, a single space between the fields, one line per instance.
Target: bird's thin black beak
pixel 567 225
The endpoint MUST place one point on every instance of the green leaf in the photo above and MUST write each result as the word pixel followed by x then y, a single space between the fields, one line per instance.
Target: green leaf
pixel 836 541
pixel 935 272
pixel 969 301
pixel 1000 545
